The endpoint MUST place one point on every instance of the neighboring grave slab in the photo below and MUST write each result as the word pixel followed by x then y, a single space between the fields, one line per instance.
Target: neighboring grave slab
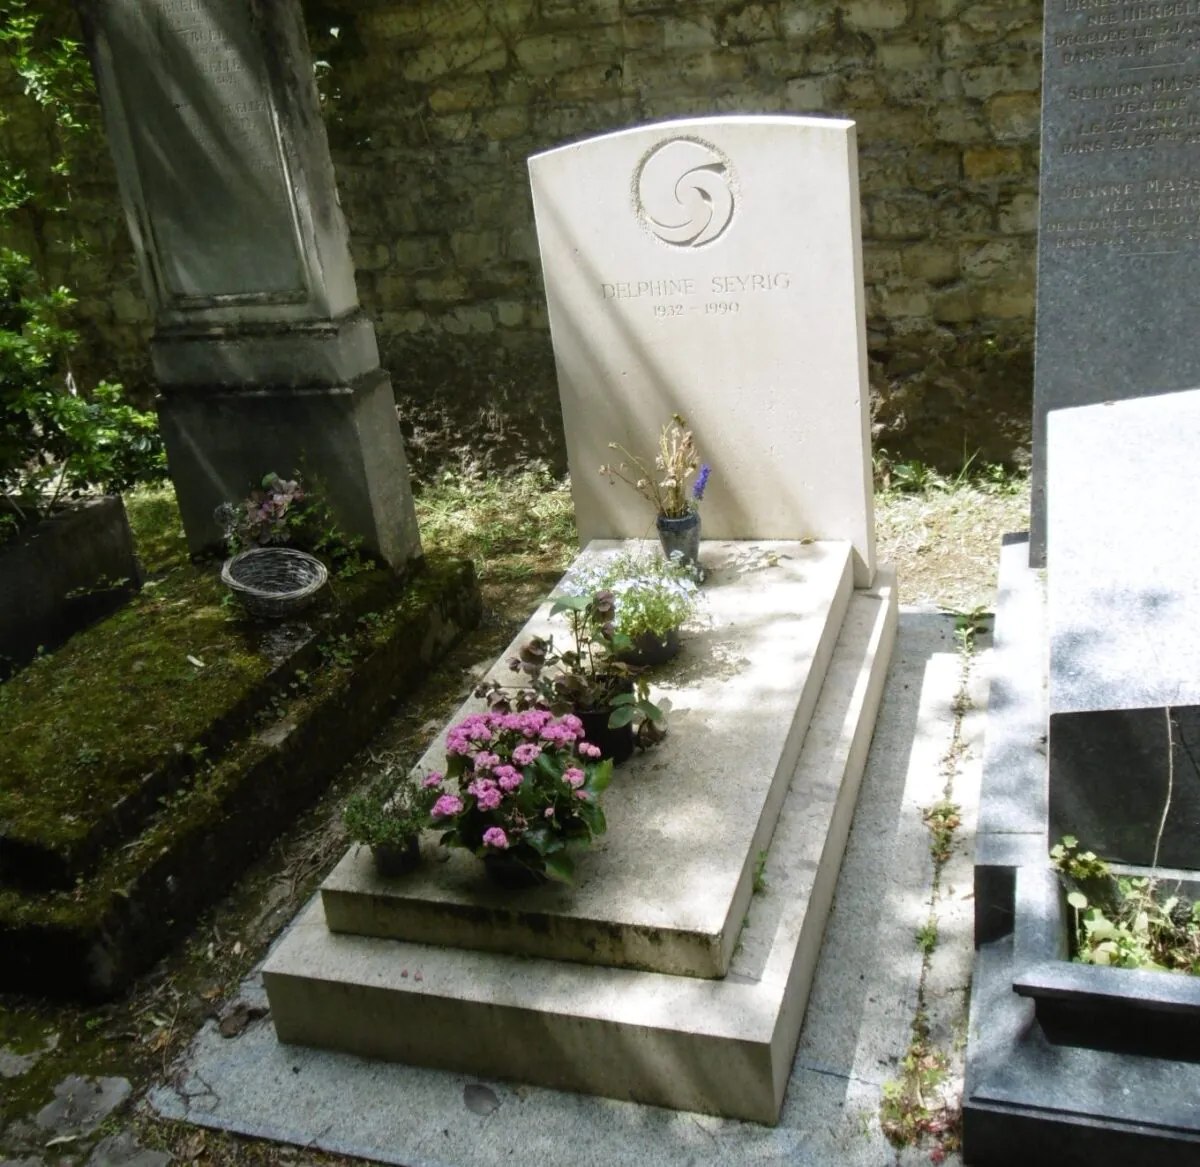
pixel 667 887
pixel 263 358
pixel 1124 612
pixel 1119 221
pixel 712 267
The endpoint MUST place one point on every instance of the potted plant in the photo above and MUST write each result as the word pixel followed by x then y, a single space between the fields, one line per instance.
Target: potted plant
pixel 389 819
pixel 66 551
pixel 589 679
pixel 666 486
pixel 653 597
pixel 528 787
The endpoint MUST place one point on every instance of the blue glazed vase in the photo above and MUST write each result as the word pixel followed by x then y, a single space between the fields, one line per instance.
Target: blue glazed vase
pixel 682 535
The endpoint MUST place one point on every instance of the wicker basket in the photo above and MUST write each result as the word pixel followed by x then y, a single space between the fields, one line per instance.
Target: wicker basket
pixel 274 582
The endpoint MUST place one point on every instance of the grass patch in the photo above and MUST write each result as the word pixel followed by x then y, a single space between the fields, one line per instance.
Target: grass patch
pixel 157 529
pixel 943 534
pixel 913 1107
pixel 510 527
pixel 943 820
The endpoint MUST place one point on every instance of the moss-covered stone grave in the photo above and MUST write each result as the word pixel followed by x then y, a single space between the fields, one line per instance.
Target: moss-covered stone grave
pixel 143 765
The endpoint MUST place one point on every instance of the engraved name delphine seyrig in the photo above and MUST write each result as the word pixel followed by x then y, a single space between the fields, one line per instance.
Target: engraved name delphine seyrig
pixel 684 193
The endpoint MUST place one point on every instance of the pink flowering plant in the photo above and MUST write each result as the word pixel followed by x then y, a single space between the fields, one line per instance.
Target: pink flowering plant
pixel 523 787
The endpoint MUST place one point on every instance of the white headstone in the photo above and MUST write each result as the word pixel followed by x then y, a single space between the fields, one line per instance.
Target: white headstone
pixel 712 267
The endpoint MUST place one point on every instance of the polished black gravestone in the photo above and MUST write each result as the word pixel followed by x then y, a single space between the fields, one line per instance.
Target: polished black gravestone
pixel 1119 219
pixel 1124 621
pixel 263 358
pixel 1065 1063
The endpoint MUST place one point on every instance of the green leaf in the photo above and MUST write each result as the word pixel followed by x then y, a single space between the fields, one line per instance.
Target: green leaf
pixel 598 777
pixel 560 866
pixel 622 715
pixel 623 699
pixel 570 604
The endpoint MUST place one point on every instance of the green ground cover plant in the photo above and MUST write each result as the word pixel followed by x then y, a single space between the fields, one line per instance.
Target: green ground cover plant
pixel 57 438
pixel 1126 921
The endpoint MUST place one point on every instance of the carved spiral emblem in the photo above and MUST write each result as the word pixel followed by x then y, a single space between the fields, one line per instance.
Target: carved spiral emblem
pixel 684 192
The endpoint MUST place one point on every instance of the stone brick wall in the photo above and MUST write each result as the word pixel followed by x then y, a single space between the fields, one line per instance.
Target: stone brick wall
pixel 434 105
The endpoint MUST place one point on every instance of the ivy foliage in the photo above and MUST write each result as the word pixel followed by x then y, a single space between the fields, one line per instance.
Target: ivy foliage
pixel 57 439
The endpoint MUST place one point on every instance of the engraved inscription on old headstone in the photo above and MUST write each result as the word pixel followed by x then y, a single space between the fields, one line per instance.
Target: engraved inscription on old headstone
pixel 1119 231
pixel 207 153
pixel 262 356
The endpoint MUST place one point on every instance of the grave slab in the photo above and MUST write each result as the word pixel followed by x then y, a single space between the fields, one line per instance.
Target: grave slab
pixel 1118 230
pixel 1123 604
pixel 666 888
pixel 715 1046
pixel 858 1021
pixel 693 263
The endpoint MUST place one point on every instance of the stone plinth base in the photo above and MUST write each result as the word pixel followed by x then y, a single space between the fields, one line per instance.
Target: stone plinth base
pixel 345 441
pixel 717 1046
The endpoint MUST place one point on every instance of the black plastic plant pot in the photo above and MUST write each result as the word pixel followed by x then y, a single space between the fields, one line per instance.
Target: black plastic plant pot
pixel 508 872
pixel 393 859
pixel 616 744
pixel 649 650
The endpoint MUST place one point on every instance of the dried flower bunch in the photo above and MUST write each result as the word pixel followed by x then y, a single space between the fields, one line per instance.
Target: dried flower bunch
pixel 666 485
pixel 268 517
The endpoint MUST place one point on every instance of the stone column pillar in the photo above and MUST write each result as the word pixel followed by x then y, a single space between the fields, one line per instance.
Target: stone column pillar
pixel 263 358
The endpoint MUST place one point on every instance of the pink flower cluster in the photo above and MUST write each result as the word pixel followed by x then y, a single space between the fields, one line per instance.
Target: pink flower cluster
pixel 487 793
pixel 495 837
pixel 470 735
pixel 498 752
pixel 447 806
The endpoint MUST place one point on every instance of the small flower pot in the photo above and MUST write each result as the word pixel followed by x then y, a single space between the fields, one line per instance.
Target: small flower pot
pixel 649 650
pixel 393 859
pixel 510 873
pixel 682 535
pixel 616 744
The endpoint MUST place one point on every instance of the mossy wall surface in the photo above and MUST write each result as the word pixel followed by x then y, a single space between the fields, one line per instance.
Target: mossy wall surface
pixel 434 105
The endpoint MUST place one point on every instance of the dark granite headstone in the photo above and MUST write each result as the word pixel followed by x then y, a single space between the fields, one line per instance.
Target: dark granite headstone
pixel 1124 616
pixel 1119 225
pixel 264 360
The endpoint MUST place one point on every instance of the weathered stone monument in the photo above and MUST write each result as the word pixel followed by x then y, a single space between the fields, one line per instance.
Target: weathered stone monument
pixel 1119 224
pixel 263 358
pixel 709 267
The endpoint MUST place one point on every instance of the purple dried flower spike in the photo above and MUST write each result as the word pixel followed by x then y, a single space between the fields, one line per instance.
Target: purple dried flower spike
pixel 701 482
